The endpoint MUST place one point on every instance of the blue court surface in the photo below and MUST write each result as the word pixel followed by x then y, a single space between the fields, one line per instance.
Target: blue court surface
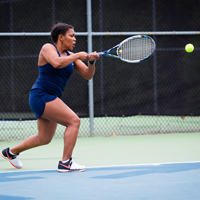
pixel 152 181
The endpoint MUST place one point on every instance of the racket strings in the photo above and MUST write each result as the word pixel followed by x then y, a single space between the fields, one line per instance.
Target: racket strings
pixel 136 49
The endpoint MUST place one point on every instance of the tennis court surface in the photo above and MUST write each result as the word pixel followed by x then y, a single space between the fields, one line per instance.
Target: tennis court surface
pixel 124 167
pixel 162 181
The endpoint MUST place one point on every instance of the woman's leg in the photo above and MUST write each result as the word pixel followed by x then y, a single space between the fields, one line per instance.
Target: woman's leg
pixel 55 112
pixel 46 130
pixel 58 112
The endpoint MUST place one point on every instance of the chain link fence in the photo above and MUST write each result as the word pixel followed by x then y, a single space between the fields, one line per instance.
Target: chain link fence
pixel 160 95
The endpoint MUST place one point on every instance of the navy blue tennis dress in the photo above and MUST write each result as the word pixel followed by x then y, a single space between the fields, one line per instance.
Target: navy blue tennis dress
pixel 49 85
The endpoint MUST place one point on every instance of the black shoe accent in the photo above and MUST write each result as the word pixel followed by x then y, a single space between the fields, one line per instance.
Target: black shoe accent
pixel 65 166
pixel 6 154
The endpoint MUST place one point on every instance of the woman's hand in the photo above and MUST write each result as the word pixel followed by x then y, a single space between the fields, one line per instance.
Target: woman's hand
pixel 93 56
pixel 83 56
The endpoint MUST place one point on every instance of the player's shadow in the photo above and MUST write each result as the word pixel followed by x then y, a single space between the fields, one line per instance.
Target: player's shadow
pixel 5 197
pixel 151 169
pixel 20 176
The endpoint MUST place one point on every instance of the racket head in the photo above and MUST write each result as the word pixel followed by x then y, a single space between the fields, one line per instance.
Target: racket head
pixel 136 48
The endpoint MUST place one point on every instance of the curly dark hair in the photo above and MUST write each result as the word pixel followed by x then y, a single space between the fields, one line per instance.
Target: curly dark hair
pixel 59 28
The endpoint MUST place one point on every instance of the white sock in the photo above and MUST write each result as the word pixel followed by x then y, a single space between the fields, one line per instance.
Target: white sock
pixel 65 161
pixel 12 153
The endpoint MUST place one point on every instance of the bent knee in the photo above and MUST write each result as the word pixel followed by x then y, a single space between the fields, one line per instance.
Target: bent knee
pixel 75 121
pixel 44 141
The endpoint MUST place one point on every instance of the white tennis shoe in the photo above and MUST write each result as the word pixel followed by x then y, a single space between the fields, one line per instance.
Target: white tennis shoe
pixel 13 159
pixel 70 166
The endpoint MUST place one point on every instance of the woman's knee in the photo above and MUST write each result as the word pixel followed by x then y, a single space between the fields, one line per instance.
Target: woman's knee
pixel 44 141
pixel 75 121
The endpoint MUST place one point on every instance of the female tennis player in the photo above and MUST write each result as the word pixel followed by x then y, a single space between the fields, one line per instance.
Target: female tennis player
pixel 56 64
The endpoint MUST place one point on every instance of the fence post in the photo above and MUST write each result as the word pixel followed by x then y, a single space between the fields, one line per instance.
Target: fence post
pixel 90 82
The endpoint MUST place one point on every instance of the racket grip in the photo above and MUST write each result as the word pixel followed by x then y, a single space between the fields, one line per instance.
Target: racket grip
pixel 100 53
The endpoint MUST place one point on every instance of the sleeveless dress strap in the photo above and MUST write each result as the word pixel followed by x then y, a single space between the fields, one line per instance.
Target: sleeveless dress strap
pixel 57 50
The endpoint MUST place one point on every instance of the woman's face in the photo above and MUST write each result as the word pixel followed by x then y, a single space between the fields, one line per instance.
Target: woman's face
pixel 69 39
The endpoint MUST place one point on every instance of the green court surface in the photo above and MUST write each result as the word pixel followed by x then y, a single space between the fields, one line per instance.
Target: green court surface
pixel 111 151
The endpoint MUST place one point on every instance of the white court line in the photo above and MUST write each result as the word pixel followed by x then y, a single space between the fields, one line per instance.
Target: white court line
pixel 108 166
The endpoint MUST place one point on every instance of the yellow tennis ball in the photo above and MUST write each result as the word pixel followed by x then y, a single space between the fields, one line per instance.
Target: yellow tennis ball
pixel 120 51
pixel 189 48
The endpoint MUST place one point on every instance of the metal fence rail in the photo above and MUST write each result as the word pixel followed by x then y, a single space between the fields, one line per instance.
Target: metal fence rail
pixel 9 34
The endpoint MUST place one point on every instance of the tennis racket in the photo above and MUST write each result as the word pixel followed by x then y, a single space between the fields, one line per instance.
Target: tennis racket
pixel 132 50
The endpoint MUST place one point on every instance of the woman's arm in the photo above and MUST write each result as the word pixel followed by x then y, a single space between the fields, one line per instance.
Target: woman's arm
pixel 83 70
pixel 48 54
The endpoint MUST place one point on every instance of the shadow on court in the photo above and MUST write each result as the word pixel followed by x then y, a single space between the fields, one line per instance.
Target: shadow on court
pixel 145 170
pixel 163 181
pixel 13 198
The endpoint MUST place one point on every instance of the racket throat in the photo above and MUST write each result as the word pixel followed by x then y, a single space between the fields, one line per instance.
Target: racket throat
pixel 113 51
